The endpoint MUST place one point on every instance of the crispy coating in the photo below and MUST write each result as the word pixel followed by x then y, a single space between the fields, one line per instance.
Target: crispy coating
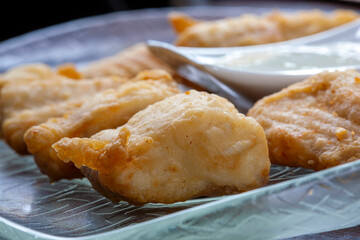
pixel 305 23
pixel 27 72
pixel 180 21
pixel 21 95
pixel 252 30
pixel 69 70
pixel 25 104
pixel 231 32
pixel 14 127
pixel 108 109
pixel 126 63
pixel 38 71
pixel 189 145
pixel 315 123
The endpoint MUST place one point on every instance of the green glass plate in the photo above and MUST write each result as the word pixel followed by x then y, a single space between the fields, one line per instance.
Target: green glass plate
pixel 296 201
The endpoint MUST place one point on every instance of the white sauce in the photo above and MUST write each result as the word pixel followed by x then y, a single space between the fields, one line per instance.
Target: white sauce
pixel 340 54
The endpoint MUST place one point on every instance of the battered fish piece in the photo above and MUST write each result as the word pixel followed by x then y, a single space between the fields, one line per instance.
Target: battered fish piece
pixel 38 71
pixel 21 95
pixel 14 127
pixel 231 32
pixel 27 104
pixel 315 123
pixel 127 63
pixel 189 145
pixel 181 21
pixel 253 30
pixel 27 72
pixel 305 23
pixel 109 109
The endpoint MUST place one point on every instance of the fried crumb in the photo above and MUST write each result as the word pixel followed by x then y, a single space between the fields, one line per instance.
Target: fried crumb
pixel 340 133
pixel 311 162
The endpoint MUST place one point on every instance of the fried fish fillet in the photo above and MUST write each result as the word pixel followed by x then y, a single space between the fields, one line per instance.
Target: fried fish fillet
pixel 15 126
pixel 127 63
pixel 181 21
pixel 304 23
pixel 27 72
pixel 315 123
pixel 189 145
pixel 38 71
pixel 242 31
pixel 108 109
pixel 30 103
pixel 28 85
pixel 21 95
pixel 252 30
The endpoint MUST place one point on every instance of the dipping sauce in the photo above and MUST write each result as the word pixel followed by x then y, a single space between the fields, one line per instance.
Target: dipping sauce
pixel 287 58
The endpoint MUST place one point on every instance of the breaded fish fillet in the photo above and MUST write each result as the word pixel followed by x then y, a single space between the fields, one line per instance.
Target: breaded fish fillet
pixel 38 71
pixel 21 95
pixel 304 23
pixel 231 32
pixel 126 63
pixel 109 109
pixel 315 123
pixel 252 30
pixel 189 145
pixel 27 72
pixel 25 104
pixel 14 127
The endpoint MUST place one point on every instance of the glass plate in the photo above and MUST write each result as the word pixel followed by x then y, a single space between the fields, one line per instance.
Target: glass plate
pixel 32 208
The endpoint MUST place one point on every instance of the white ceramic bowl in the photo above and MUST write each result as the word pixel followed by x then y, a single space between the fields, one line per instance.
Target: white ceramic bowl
pixel 255 83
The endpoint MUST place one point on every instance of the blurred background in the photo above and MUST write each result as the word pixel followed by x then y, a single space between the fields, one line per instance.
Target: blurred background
pixel 19 17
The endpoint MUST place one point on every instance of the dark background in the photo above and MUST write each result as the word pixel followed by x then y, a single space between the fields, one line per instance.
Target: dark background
pixel 18 17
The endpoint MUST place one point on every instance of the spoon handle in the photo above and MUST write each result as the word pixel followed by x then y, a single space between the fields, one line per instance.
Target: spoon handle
pixel 211 84
pixel 192 71
pixel 170 54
